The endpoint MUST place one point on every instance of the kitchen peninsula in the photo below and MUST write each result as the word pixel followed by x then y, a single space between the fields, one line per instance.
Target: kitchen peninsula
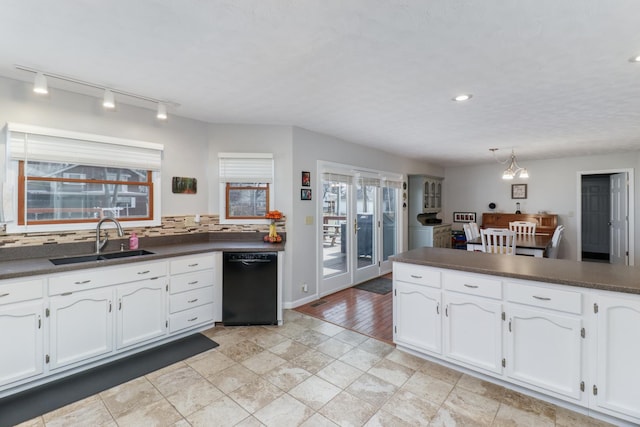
pixel 560 330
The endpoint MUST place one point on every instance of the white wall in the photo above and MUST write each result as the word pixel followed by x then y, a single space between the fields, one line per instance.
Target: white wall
pixel 184 140
pixel 552 187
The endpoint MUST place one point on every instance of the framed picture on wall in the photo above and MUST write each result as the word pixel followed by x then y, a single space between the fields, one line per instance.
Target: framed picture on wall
pixel 306 179
pixel 518 191
pixel 305 194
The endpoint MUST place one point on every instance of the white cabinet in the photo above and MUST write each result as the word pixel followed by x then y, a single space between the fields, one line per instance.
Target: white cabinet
pixel 21 330
pixel 616 387
pixel 473 321
pixel 416 308
pixel 432 195
pixel 142 312
pixel 545 339
pixel 432 236
pixel 81 326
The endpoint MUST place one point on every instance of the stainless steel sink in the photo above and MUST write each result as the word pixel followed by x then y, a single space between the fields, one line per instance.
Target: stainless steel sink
pixel 99 257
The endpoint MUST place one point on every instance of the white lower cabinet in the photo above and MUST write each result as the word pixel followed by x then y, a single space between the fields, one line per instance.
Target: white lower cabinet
pixel 473 331
pixel 142 312
pixel 616 386
pixel 417 316
pixel 21 332
pixel 81 326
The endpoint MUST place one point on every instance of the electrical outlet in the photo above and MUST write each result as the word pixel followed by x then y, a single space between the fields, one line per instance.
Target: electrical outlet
pixel 305 288
pixel 189 221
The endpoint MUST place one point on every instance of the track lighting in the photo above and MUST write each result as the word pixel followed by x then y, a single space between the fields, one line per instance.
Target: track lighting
pixel 162 111
pixel 108 98
pixel 514 169
pixel 40 84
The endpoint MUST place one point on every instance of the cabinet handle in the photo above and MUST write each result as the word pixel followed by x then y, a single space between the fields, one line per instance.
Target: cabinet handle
pixel 192 301
pixel 82 282
pixel 39 322
pixel 438 308
pixel 4 295
pixel 509 325
pixel 120 304
pixel 109 306
pixel 470 286
pixel 542 298
pixel 193 319
pixel 193 265
pixel 193 283
pixel 446 310
pixel 143 272
pixel 416 276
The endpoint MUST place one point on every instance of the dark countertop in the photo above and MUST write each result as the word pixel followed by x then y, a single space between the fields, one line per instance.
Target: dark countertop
pixel 31 261
pixel 590 275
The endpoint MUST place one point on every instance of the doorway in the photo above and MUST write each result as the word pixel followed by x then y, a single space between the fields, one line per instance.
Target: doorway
pixel 605 205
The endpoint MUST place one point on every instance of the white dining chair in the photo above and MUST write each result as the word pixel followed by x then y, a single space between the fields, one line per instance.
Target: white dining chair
pixel 498 241
pixel 471 230
pixel 523 227
pixel 555 242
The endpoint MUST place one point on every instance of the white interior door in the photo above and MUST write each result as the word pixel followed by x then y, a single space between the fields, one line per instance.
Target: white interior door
pixel 390 224
pixel 619 219
pixel 366 229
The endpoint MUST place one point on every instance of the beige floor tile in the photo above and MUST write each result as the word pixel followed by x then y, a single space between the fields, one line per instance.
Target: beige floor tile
pixel 347 410
pixel 360 359
pixel 469 405
pixel 211 364
pixel 351 337
pixel 181 423
pixel 173 380
pixel 328 329
pixel 268 339
pixel 385 419
pixel 447 418
pixel 263 362
pixel 291 315
pixel 529 404
pixel 481 387
pixel 241 350
pixel 568 418
pixel 256 395
pixel 405 359
pixel 286 376
pixel 312 361
pixel 89 411
pixel 195 396
pixel 311 338
pixel 308 322
pixel 391 372
pixel 509 416
pixel 441 372
pixel 232 378
pixel 250 421
pixel 160 413
pixel 35 422
pixel 289 349
pixel 284 411
pixel 429 388
pixel 377 347
pixel 339 374
pixel 372 389
pixel 318 420
pixel 291 330
pixel 133 394
pixel 151 376
pixel 315 392
pixel 410 408
pixel 334 347
pixel 223 412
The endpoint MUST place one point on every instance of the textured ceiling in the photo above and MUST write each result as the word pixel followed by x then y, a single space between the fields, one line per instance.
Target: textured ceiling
pixel 549 78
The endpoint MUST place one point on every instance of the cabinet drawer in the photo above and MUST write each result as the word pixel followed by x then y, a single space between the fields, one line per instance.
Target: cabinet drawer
pixel 473 285
pixel 417 274
pixel 190 318
pixel 189 281
pixel 190 299
pixel 106 276
pixel 538 296
pixel 191 263
pixel 21 291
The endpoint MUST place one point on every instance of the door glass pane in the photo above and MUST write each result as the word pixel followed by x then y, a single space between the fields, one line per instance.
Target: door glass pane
pixel 334 227
pixel 389 221
pixel 366 235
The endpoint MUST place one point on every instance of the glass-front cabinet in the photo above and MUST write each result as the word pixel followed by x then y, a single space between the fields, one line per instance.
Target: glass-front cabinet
pixel 432 195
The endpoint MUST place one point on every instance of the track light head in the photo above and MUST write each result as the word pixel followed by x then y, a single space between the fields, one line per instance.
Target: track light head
pixel 162 111
pixel 40 84
pixel 109 100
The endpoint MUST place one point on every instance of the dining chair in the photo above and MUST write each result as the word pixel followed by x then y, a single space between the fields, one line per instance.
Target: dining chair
pixel 498 241
pixel 471 230
pixel 555 242
pixel 523 227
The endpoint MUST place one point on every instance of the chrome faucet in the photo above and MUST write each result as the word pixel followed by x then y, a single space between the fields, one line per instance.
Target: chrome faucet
pixel 100 243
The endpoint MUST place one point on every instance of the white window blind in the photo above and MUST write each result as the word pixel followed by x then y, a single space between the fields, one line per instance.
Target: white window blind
pixel 246 167
pixel 336 177
pixel 50 145
pixel 392 184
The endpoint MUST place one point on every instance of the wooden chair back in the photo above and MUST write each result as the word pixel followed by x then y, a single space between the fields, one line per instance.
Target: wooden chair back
pixel 499 241
pixel 523 227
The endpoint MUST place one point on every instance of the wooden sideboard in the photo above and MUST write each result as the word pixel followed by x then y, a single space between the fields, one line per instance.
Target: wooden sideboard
pixel 546 223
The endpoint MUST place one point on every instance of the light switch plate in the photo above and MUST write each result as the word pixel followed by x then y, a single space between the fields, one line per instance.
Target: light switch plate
pixel 308 220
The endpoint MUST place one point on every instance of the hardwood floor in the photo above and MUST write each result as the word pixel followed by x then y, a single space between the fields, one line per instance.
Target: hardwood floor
pixel 366 312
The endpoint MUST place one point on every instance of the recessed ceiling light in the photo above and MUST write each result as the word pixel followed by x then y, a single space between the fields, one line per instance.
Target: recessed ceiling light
pixel 463 97
pixel 635 59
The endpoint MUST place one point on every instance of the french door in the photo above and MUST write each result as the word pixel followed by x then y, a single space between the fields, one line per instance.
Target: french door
pixel 359 230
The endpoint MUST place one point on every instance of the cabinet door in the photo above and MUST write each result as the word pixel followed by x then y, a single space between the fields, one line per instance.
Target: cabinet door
pixel 473 331
pixel 618 352
pixel 417 317
pixel 21 337
pixel 142 313
pixel 544 349
pixel 81 326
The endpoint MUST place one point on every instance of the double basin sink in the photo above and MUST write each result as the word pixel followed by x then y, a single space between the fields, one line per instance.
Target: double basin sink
pixel 99 257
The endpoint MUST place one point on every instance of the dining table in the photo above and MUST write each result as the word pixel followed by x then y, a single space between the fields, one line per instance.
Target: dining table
pixel 526 244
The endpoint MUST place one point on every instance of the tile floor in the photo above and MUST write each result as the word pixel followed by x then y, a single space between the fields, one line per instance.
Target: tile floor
pixel 307 373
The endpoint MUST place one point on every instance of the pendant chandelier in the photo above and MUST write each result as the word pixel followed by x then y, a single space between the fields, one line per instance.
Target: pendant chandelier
pixel 514 169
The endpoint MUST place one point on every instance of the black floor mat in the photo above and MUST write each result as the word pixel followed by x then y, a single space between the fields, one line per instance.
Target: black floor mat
pixel 26 405
pixel 380 285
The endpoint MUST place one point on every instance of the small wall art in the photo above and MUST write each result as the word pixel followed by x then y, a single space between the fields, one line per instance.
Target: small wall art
pixel 306 179
pixel 182 185
pixel 518 191
pixel 464 217
pixel 305 194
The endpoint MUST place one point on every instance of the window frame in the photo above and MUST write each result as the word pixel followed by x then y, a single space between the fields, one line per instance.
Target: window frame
pixel 229 187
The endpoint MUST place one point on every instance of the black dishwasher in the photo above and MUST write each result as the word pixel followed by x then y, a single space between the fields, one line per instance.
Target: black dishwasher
pixel 250 288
